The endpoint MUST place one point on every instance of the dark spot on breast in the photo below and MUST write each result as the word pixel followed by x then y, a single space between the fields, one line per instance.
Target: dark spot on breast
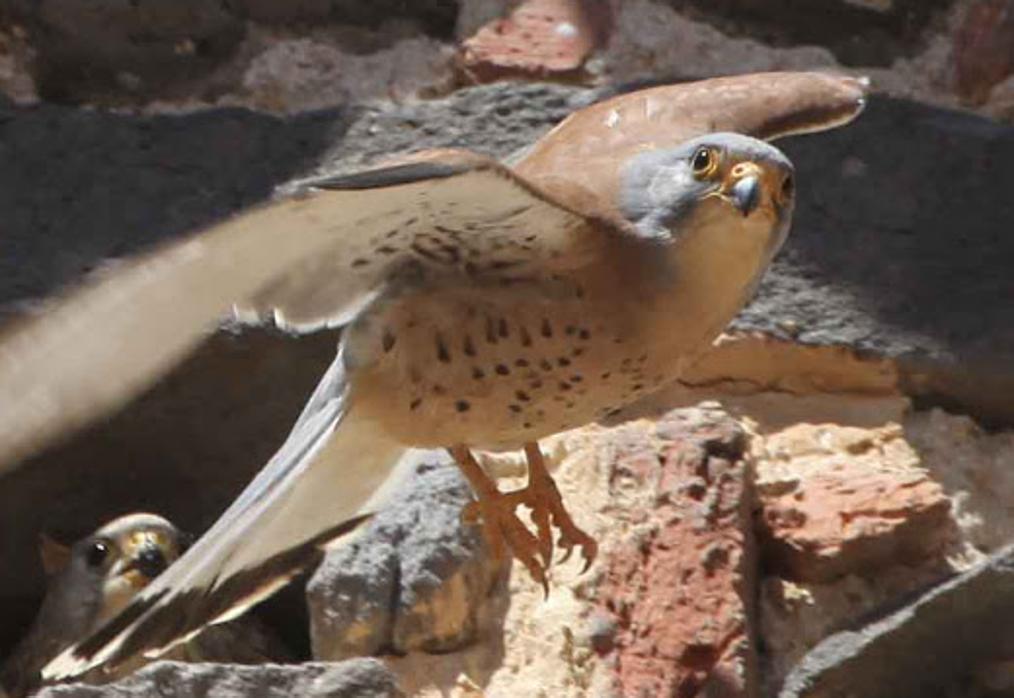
pixel 439 389
pixel 387 340
pixel 576 378
pixel 605 375
pixel 569 330
pixel 359 262
pixel 415 403
pixel 584 334
pixel 502 328
pixel 527 425
pixel 387 249
pixel 502 369
pixel 577 352
pixel 535 384
pixel 564 385
pixel 467 346
pixel 392 234
pixel 526 339
pixel 514 408
pixel 563 361
pixel 411 221
pixel 547 329
pixel 579 291
pixel 545 365
pixel 462 406
pixel 521 363
pixel 442 352
pixel 642 358
pixel 637 386
pixel 478 373
pixel 522 396
pixel 490 330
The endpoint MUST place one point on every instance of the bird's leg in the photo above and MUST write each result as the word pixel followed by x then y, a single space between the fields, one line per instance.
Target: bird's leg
pixel 499 521
pixel 544 499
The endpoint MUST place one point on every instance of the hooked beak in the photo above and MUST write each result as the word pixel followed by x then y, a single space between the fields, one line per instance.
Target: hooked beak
pixel 146 558
pixel 743 188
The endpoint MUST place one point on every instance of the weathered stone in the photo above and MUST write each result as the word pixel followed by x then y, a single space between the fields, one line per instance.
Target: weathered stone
pixel 843 519
pixel 936 641
pixel 417 578
pixel 983 48
pixel 681 587
pixel 540 38
pixel 355 678
pixel 436 17
pixel 121 44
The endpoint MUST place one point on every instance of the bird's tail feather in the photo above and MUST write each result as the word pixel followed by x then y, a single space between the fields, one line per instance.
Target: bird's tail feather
pixel 329 475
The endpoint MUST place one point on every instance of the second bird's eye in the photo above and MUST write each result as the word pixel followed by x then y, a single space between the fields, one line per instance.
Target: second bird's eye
pixel 703 162
pixel 96 553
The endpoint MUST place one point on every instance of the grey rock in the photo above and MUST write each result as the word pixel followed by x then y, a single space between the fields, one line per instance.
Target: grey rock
pixel 417 578
pixel 356 678
pixel 123 43
pixel 436 17
pixel 934 642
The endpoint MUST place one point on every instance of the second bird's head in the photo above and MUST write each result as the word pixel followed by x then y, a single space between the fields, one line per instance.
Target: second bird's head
pixel 722 184
pixel 122 557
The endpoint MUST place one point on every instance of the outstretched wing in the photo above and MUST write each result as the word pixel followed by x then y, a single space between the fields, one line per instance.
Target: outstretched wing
pixel 311 260
pixel 589 146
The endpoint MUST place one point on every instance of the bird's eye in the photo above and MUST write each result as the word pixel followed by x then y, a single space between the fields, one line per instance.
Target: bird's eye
pixel 704 162
pixel 97 553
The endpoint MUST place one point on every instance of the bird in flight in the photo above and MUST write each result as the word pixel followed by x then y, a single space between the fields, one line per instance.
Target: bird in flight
pixel 482 306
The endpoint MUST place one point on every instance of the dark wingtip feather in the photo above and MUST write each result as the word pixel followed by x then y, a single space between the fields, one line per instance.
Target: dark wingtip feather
pixel 389 176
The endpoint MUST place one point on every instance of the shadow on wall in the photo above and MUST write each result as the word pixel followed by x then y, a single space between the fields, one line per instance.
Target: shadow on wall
pixel 902 238
pixel 79 187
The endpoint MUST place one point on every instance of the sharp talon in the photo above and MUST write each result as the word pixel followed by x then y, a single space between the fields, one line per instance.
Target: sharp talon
pixel 567 550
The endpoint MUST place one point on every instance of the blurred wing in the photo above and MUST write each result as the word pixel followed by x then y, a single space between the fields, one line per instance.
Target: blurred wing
pixel 312 260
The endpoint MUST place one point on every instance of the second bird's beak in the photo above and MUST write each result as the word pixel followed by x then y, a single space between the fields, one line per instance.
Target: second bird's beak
pixel 743 188
pixel 146 559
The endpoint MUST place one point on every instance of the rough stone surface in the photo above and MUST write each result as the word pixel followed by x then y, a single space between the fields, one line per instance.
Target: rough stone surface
pixel 540 38
pixel 416 580
pixel 983 48
pixel 878 435
pixel 839 514
pixel 889 658
pixel 80 42
pixel 680 586
pixel 356 678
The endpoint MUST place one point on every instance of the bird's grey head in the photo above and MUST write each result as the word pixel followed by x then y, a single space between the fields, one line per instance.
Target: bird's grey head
pixel 737 181
pixel 120 559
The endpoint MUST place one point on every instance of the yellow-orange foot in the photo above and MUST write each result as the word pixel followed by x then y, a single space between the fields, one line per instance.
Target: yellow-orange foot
pixel 497 511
